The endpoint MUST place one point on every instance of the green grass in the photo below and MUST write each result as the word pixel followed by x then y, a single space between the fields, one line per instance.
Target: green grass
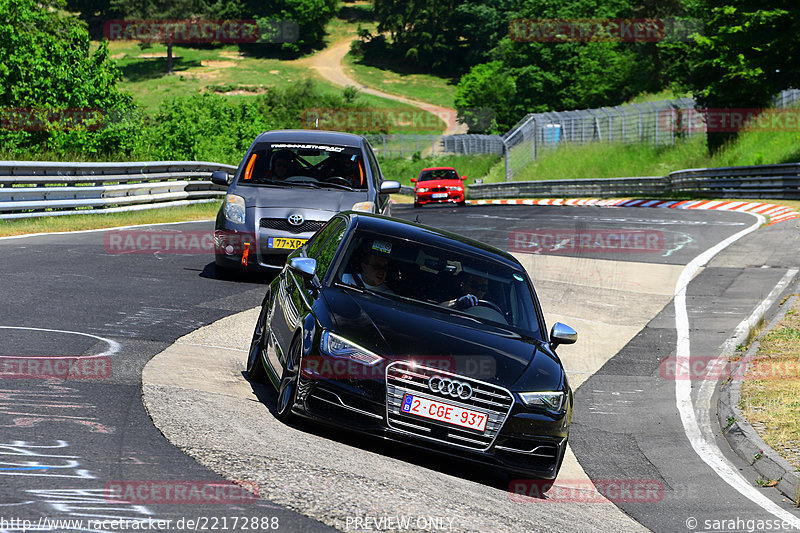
pixel 108 220
pixel 146 79
pixel 391 79
pixel 232 73
pixel 603 160
pixel 772 385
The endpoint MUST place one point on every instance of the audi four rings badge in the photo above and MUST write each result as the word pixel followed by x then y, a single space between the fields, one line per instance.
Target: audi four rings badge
pixel 450 387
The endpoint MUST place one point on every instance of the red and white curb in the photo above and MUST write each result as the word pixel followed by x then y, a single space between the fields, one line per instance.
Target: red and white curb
pixel 774 212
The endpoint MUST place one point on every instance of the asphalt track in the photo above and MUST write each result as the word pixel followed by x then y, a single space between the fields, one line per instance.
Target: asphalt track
pixel 65 442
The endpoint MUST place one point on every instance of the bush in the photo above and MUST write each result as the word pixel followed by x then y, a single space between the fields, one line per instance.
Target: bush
pixel 51 81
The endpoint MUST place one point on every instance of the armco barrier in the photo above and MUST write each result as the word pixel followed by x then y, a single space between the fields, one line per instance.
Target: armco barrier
pixel 37 189
pixel 568 188
pixel 760 181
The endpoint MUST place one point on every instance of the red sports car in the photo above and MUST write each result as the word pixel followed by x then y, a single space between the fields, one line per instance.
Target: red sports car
pixel 438 185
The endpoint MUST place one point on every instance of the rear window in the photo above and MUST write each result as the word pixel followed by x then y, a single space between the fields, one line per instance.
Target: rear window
pixel 293 163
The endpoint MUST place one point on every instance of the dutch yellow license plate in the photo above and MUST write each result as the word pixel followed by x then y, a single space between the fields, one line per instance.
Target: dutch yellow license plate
pixel 287 244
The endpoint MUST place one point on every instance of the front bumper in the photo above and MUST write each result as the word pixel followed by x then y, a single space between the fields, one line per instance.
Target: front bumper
pixel 453 197
pixel 524 442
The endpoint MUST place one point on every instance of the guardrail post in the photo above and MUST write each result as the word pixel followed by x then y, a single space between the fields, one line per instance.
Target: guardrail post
pixel 505 158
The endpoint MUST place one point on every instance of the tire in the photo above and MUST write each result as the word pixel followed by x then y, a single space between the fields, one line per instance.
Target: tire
pixel 416 204
pixel 287 391
pixel 255 365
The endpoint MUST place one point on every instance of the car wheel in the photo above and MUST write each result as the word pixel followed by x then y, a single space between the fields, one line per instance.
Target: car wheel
pixel 287 391
pixel 255 365
pixel 416 204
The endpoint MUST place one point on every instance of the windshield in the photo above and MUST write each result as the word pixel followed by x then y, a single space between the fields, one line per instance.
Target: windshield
pixel 290 164
pixel 449 281
pixel 438 174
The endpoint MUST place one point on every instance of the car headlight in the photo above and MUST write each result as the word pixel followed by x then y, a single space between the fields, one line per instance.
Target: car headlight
pixel 423 189
pixel 366 207
pixel 455 188
pixel 234 208
pixel 336 346
pixel 552 401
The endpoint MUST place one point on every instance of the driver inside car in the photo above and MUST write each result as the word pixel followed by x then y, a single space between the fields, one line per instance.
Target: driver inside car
pixel 341 165
pixel 282 164
pixel 473 288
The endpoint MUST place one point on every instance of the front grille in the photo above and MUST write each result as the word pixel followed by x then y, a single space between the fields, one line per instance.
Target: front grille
pixel 281 224
pixel 438 189
pixel 494 401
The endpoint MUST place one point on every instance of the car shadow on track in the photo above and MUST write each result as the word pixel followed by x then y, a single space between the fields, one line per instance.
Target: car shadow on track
pixel 210 271
pixel 431 460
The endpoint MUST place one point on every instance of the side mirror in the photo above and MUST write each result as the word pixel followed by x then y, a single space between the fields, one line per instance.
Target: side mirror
pixel 413 180
pixel 562 334
pixel 390 187
pixel 219 177
pixel 306 267
pixel 464 178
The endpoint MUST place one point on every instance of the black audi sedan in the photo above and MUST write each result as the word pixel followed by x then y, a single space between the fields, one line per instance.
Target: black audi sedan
pixel 288 185
pixel 416 335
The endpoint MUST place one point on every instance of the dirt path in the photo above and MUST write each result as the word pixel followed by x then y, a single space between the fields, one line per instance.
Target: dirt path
pixel 328 63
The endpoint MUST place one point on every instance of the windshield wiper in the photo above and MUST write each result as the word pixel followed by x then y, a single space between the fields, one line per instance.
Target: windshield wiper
pixel 335 186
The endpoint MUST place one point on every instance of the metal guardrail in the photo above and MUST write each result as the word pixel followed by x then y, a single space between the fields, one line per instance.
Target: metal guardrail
pixel 568 188
pixel 760 181
pixel 37 189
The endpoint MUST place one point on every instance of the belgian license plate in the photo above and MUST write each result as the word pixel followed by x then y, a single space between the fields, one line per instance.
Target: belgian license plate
pixel 444 412
pixel 289 244
pixel 439 195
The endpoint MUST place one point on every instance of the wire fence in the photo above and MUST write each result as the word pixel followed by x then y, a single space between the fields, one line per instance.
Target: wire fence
pixel 391 146
pixel 659 123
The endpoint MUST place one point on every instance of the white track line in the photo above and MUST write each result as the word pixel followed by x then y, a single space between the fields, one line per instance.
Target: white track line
pixel 26 235
pixel 113 346
pixel 707 449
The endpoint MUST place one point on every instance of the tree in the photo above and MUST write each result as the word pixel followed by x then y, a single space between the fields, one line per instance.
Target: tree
pixel 55 90
pixel 558 75
pixel 430 33
pixel 311 16
pixel 162 10
pixel 749 52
